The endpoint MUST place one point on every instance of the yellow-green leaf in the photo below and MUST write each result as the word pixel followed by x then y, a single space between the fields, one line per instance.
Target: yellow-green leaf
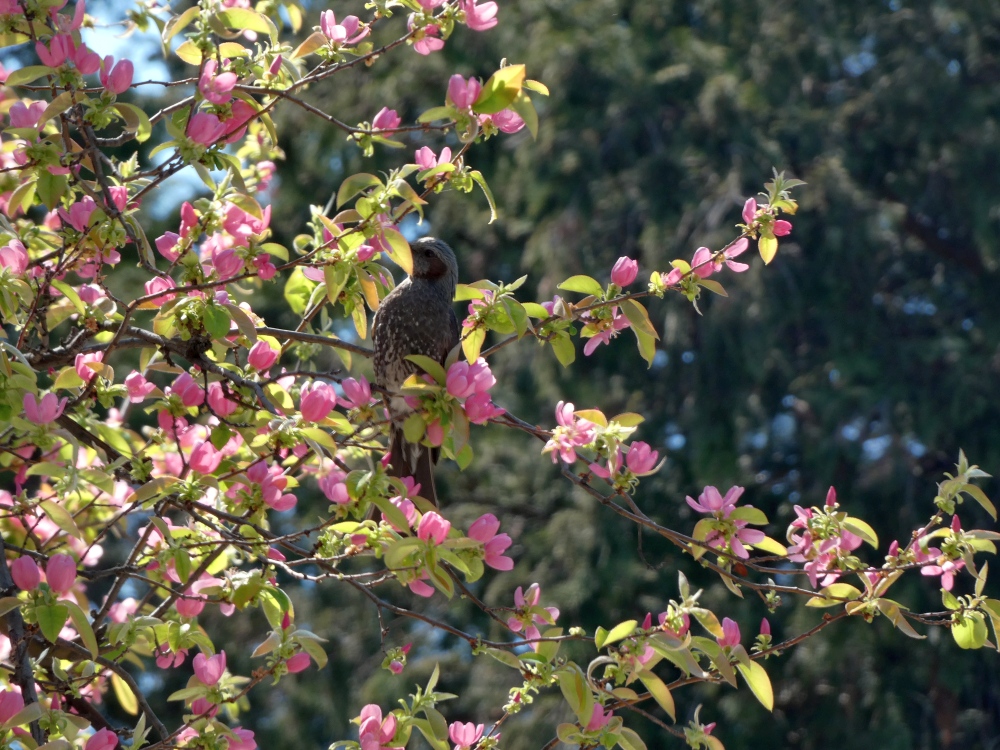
pixel 659 691
pixel 768 247
pixel 126 698
pixel 756 677
pixel 472 343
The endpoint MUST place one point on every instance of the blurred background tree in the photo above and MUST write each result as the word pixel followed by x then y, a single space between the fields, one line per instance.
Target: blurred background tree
pixel 864 357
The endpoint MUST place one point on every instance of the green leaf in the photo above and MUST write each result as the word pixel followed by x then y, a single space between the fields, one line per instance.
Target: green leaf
pixel 176 24
pixel 31 712
pixel 82 624
pixel 563 348
pixel 859 528
pixel 500 90
pixel 216 320
pixel 638 317
pixel 401 254
pixel 980 497
pixel 756 677
pixel 619 631
pixel 753 516
pixel 336 279
pixel 437 113
pixel 51 619
pixel 768 247
pixel 577 693
pixel 646 344
pixel 354 185
pixel 583 285
pixel 312 43
pixel 60 517
pixel 523 106
pixel 136 120
pixel 713 286
pixel 298 290
pixel 472 343
pixel 126 698
pixel 28 74
pixel 660 692
pixel 70 294
pixel 153 488
pixel 428 365
pixel 629 739
pixel 476 175
pixel 244 18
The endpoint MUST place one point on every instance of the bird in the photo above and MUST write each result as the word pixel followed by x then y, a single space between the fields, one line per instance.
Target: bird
pixel 417 317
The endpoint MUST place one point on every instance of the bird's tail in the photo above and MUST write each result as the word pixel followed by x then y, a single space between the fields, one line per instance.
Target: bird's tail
pixel 413 460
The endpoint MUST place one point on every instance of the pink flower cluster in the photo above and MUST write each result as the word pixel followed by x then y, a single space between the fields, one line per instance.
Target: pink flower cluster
pixel 731 532
pixel 465 735
pixel 752 213
pixel 471 384
pixel 572 433
pixel 376 732
pixel 484 529
pixel 529 614
pixel 818 543
pixel 640 460
pixel 60 573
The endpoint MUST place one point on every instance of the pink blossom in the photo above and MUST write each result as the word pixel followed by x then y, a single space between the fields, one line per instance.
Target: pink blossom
pixel 138 387
pixel 79 214
pixel 167 245
pixel 730 633
pixel 81 362
pixel 427 39
pixel 103 739
pixel 11 703
pixel 358 393
pixel 236 124
pixel 165 659
pixel 481 17
pixel 375 732
pixel 297 663
pixel 25 573
pixel 433 528
pixel 60 573
pixel 396 667
pixel 42 411
pixel 86 62
pixel 244 740
pixel 624 272
pixel 749 211
pixel 219 402
pixel 262 356
pixel 711 501
pixel 205 458
pixel 189 392
pixel 216 88
pixel 765 627
pixel 227 263
pixel 117 78
pixel 599 718
pixel 618 323
pixel 781 228
pixel 159 284
pixel 333 486
pixel 386 119
pixel 480 409
pixel 14 256
pixel 188 606
pixel 317 401
pixel 464 380
pixel 209 669
pixel 265 268
pixel 569 435
pixel 465 735
pixel 945 568
pixel 425 159
pixel 641 459
pixel 484 530
pixel 205 128
pixel 202 707
pixel 431 4
pixel 346 32
pixel 60 48
pixel 463 93
pixel 418 587
pixel 507 121
pixel 25 115
pixel 189 219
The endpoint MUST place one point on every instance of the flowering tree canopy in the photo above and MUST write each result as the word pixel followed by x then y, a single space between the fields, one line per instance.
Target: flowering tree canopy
pixel 149 405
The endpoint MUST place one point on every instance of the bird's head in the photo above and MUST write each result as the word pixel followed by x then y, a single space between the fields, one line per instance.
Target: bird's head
pixel 434 261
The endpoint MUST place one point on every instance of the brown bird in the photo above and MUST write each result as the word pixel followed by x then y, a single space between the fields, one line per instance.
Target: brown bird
pixel 416 317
